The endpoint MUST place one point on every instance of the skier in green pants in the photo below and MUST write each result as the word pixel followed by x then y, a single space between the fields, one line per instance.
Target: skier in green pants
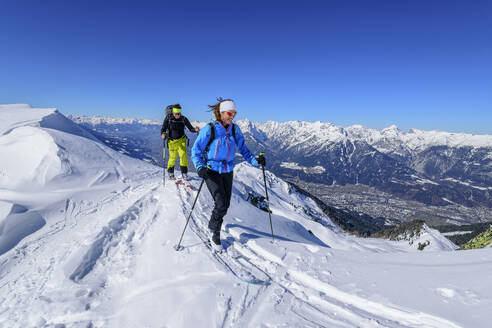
pixel 173 129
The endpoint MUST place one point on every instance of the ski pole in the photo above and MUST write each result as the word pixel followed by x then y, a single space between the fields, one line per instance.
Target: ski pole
pixel 178 247
pixel 268 200
pixel 164 143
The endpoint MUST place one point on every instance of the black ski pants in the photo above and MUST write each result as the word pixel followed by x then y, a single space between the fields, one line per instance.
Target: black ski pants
pixel 220 187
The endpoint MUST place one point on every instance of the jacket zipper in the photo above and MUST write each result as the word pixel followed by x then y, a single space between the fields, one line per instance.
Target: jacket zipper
pixel 228 148
pixel 217 148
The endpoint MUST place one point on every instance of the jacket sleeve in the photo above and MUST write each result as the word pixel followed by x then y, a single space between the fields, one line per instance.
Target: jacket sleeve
pixel 242 147
pixel 188 125
pixel 165 125
pixel 199 147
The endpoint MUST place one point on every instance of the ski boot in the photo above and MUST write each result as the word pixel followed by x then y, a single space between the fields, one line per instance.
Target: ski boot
pixel 216 243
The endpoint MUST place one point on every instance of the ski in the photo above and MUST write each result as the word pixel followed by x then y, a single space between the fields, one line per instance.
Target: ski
pixel 181 182
pixel 243 275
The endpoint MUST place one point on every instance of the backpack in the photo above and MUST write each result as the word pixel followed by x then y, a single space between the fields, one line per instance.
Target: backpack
pixel 212 137
pixel 169 110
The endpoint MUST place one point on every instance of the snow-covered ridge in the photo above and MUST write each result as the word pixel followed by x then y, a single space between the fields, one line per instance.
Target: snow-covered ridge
pixel 40 145
pixel 96 120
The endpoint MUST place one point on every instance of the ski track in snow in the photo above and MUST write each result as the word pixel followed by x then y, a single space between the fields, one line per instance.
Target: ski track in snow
pixel 108 237
pixel 108 262
pixel 317 303
pixel 25 292
pixel 252 293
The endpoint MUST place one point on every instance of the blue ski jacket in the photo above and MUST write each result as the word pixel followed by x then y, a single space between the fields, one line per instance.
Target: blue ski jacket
pixel 220 155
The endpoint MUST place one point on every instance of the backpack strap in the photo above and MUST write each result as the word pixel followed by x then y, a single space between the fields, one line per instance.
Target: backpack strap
pixel 212 137
pixel 234 132
pixel 167 118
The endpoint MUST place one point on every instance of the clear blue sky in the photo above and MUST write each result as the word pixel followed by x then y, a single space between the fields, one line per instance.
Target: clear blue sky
pixel 422 63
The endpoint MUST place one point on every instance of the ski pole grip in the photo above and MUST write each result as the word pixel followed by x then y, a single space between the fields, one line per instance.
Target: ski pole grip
pixel 261 159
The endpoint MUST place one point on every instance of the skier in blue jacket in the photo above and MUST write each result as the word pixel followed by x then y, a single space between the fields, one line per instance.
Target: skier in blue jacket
pixel 215 163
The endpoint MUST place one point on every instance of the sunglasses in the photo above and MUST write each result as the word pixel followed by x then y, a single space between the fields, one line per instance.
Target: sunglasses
pixel 231 114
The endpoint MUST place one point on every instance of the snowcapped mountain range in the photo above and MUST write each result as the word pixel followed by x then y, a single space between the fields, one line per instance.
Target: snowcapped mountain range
pixel 96 120
pixel 406 147
pixel 434 168
pixel 387 140
pixel 87 236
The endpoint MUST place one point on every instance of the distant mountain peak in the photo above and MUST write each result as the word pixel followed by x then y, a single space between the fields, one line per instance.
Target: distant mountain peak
pixel 391 127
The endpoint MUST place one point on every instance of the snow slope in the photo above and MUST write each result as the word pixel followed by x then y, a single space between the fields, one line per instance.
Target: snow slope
pixel 104 256
pixel 46 158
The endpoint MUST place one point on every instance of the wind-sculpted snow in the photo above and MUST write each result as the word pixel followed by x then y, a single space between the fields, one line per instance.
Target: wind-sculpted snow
pixel 29 159
pixel 17 225
pixel 59 122
pixel 17 115
pixel 105 257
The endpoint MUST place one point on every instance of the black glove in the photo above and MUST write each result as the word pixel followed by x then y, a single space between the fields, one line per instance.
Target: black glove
pixel 203 172
pixel 261 159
